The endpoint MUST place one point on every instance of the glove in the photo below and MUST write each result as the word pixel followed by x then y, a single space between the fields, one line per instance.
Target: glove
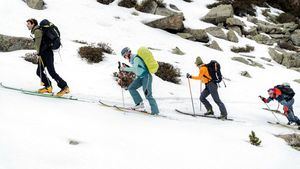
pixel 285 110
pixel 188 76
pixel 263 99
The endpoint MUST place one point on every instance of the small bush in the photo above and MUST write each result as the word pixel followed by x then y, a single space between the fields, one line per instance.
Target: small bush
pixel 105 2
pixel 287 46
pixel 253 139
pixel 248 48
pixel 91 54
pixel 168 73
pixel 286 17
pixel 105 48
pixel 124 79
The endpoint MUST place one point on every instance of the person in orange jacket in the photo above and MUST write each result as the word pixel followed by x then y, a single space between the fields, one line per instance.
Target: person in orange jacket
pixel 211 88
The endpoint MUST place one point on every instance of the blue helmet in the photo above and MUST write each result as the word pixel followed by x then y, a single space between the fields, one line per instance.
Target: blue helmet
pixel 125 51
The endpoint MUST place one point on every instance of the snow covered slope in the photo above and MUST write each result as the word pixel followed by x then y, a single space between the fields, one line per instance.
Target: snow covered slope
pixel 35 131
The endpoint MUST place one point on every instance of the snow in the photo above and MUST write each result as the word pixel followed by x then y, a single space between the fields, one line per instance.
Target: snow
pixel 35 131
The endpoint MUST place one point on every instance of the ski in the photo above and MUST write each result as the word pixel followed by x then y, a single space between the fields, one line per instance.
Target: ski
pixel 284 125
pixel 275 111
pixel 35 93
pixel 201 115
pixel 111 106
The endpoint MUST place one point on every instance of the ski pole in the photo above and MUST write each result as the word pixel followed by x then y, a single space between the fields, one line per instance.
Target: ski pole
pixel 46 74
pixel 191 97
pixel 200 94
pixel 119 66
pixel 272 112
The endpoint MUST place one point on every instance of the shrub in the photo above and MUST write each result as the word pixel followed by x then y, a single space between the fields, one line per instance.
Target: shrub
pixel 105 48
pixel 168 73
pixel 248 48
pixel 253 139
pixel 91 54
pixel 124 79
pixel 105 2
pixel 286 17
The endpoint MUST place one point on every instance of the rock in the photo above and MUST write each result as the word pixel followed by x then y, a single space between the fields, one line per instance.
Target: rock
pixel 266 59
pixel 246 74
pixel 269 29
pixel 263 39
pixel 105 2
pixel 200 35
pixel 127 3
pixel 249 62
pixel 216 32
pixel 234 22
pixel 174 7
pixel 288 59
pixel 147 6
pixel 237 29
pixel 240 59
pixel 165 12
pixel 36 4
pixel 252 19
pixel 288 27
pixel 177 51
pixel 9 43
pixel 214 45
pixel 32 57
pixel 219 14
pixel 186 36
pixel 295 37
pixel 170 23
pixel 232 37
pixel 252 31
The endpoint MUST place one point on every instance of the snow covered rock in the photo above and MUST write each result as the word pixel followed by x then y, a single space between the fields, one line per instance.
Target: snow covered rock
pixel 174 23
pixel 216 32
pixel 9 43
pixel 295 37
pixel 35 4
pixel 200 35
pixel 231 36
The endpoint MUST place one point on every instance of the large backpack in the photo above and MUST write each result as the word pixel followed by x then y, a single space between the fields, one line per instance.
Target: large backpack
pixel 145 54
pixel 51 34
pixel 214 70
pixel 287 91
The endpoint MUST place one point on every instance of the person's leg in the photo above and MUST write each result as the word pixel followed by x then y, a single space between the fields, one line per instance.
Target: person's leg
pixel 49 63
pixel 203 99
pixel 147 88
pixel 291 116
pixel 132 88
pixel 213 89
pixel 40 73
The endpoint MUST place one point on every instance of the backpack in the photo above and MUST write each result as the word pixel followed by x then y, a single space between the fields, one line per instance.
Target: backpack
pixel 214 70
pixel 286 90
pixel 51 34
pixel 146 55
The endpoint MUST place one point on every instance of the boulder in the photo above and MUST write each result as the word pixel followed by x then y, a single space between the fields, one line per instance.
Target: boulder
pixel 231 36
pixel 149 6
pixel 295 37
pixel 234 22
pixel 263 39
pixel 170 23
pixel 36 4
pixel 237 29
pixel 219 14
pixel 127 3
pixel 200 35
pixel 165 12
pixel 9 43
pixel 216 32
pixel 214 45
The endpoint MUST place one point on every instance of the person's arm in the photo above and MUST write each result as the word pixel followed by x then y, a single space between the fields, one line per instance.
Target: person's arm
pixel 38 40
pixel 134 67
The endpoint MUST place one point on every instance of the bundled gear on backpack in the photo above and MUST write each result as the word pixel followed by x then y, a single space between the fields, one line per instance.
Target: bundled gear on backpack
pixel 214 70
pixel 51 34
pixel 287 92
pixel 146 55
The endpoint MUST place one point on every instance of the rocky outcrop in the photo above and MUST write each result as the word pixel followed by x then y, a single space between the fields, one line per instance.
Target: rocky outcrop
pixel 263 39
pixel 219 14
pixel 288 59
pixel 295 37
pixel 35 4
pixel 9 43
pixel 199 35
pixel 216 32
pixel 170 23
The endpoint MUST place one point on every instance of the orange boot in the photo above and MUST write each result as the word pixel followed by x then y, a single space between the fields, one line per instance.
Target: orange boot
pixel 45 90
pixel 63 91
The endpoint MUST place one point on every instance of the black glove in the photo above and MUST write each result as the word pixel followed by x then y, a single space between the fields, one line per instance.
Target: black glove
pixel 263 99
pixel 119 65
pixel 188 75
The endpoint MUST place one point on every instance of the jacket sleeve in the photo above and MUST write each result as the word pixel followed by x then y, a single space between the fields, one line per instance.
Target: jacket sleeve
pixel 137 67
pixel 199 75
pixel 38 40
pixel 269 99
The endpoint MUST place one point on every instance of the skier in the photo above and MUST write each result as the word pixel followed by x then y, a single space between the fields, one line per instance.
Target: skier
pixel 284 95
pixel 210 88
pixel 46 60
pixel 143 78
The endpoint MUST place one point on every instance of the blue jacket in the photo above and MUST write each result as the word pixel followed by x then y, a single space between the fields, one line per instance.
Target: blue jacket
pixel 138 66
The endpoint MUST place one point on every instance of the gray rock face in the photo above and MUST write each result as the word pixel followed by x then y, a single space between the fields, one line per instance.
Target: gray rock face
pixel 9 43
pixel 165 12
pixel 295 37
pixel 232 37
pixel 234 22
pixel 216 32
pixel 173 22
pixel 215 45
pixel 200 35
pixel 35 4
pixel 285 58
pixel 219 14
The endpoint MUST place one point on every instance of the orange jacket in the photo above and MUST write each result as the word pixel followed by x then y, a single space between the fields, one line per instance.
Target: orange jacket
pixel 203 75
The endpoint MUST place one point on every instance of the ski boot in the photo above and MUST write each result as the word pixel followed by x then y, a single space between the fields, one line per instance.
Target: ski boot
pixel 45 89
pixel 209 112
pixel 63 91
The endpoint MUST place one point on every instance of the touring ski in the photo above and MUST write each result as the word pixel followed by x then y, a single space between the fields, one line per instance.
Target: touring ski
pixel 200 115
pixel 285 125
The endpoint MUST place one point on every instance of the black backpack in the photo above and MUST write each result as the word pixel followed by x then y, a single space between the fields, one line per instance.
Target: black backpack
pixel 51 34
pixel 287 91
pixel 214 70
